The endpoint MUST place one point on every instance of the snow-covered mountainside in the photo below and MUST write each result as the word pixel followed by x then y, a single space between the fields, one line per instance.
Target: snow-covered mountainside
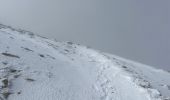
pixel 36 68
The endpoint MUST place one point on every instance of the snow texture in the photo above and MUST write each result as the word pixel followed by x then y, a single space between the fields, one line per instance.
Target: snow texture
pixel 36 68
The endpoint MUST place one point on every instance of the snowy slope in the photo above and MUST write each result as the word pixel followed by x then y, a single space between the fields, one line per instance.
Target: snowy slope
pixel 36 68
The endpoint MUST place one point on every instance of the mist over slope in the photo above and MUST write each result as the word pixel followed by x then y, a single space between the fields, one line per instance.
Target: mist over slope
pixel 36 68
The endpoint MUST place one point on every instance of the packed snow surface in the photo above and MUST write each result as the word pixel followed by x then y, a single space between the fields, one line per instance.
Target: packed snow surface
pixel 36 68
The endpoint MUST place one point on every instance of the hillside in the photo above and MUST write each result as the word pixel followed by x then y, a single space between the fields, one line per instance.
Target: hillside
pixel 36 68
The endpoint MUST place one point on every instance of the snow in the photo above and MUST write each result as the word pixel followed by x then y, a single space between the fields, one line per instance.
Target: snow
pixel 36 68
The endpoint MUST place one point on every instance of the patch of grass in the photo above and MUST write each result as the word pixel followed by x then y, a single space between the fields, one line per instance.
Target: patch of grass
pixel 6 94
pixel 51 57
pixel 70 43
pixel 5 63
pixel 41 55
pixel 124 67
pixel 19 92
pixel 16 76
pixel 29 79
pixel 66 50
pixel 13 70
pixel 10 55
pixel 5 82
pixel 27 49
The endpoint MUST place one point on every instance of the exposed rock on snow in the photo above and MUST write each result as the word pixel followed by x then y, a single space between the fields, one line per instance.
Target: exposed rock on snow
pixel 36 68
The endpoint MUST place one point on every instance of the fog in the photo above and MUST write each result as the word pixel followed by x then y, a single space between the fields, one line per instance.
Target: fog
pixel 135 29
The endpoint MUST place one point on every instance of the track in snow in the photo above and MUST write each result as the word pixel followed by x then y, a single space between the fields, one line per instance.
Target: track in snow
pixel 35 68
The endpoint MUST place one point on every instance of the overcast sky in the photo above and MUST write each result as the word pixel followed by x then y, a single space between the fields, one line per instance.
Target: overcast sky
pixel 135 29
